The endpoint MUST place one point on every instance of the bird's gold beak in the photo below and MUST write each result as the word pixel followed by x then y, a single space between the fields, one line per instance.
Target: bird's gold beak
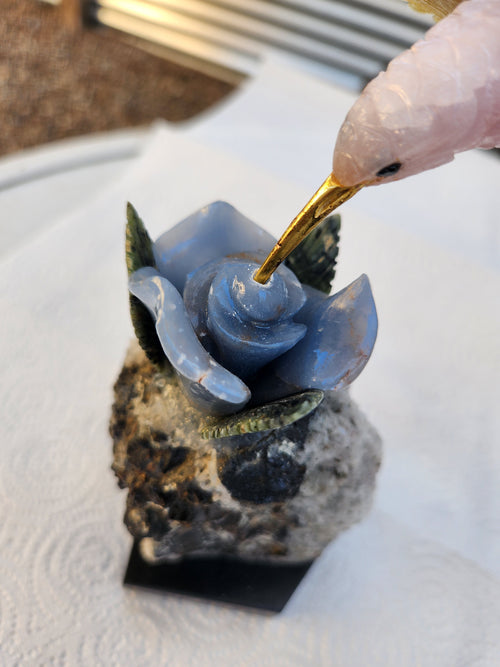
pixel 326 199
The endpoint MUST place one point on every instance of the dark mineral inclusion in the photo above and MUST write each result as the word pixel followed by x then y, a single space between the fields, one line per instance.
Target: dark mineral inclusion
pixel 263 472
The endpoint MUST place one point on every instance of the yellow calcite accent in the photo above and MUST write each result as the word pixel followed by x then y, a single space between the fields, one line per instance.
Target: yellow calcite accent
pixel 438 8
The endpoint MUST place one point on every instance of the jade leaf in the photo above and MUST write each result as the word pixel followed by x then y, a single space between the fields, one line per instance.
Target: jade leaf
pixel 275 415
pixel 139 253
pixel 314 260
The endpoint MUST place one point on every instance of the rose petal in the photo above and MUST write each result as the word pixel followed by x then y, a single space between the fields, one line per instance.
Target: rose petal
pixel 341 333
pixel 214 231
pixel 211 386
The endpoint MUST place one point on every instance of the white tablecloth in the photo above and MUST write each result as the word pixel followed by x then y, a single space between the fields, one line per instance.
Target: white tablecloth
pixel 416 583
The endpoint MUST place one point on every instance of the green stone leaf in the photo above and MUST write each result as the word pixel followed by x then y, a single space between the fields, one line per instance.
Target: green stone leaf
pixel 139 253
pixel 271 416
pixel 138 244
pixel 145 330
pixel 314 260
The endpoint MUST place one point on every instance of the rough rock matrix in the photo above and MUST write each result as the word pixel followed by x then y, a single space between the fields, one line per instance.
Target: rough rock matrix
pixel 277 496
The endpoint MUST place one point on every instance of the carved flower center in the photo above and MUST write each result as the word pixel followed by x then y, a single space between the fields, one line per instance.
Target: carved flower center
pixel 245 324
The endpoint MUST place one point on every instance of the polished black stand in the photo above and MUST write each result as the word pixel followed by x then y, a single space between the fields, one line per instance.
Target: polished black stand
pixel 223 579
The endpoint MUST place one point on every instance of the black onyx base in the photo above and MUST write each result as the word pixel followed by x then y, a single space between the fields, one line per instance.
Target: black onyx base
pixel 220 579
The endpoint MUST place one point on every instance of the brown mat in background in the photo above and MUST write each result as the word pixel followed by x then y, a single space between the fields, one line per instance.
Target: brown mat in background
pixel 54 84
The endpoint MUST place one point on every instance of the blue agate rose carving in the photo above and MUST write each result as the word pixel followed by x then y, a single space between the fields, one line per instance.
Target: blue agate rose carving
pixel 233 341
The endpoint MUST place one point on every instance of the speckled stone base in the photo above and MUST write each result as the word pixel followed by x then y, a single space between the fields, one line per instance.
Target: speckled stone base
pixel 276 497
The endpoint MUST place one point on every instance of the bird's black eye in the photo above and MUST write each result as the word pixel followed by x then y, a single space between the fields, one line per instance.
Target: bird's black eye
pixel 390 169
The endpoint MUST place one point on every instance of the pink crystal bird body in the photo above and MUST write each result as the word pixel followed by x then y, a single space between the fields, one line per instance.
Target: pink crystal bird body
pixel 439 98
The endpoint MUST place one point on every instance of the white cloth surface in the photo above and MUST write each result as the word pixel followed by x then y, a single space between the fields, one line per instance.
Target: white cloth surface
pixel 42 184
pixel 416 583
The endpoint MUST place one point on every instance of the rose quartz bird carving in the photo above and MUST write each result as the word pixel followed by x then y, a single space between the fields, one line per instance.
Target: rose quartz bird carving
pixel 439 98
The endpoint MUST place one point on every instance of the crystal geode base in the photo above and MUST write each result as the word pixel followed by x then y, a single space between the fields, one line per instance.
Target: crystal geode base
pixel 270 497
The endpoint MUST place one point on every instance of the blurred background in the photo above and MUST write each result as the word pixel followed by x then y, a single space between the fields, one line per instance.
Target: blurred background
pixel 73 67
pixel 60 77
